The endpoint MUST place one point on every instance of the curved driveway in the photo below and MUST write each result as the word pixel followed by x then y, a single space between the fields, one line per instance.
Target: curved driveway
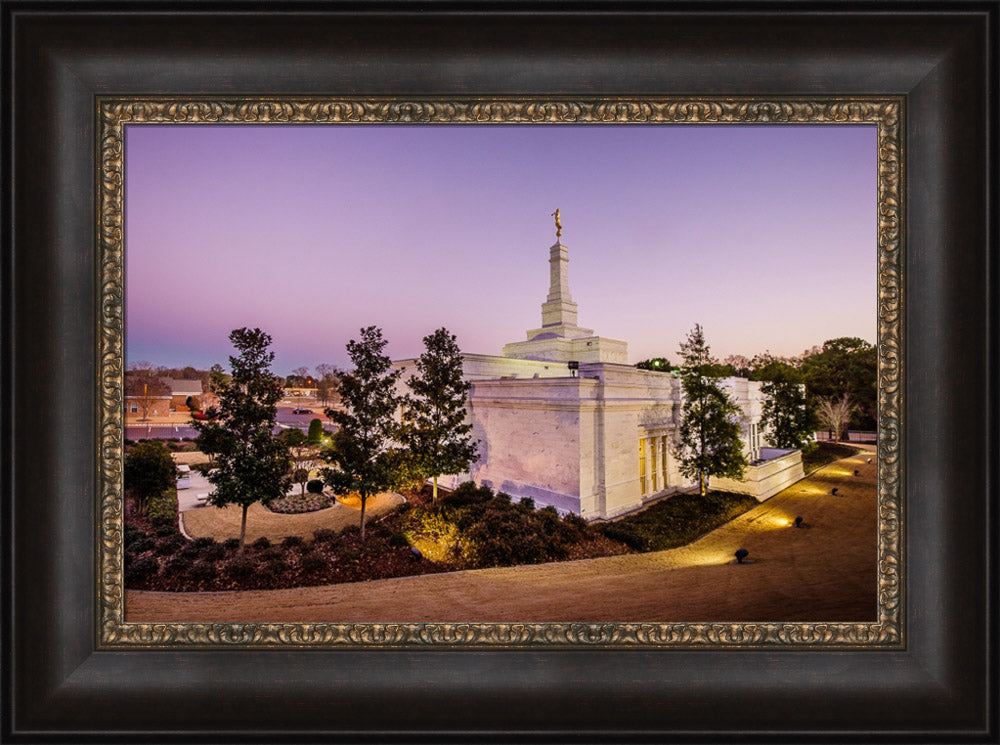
pixel 823 572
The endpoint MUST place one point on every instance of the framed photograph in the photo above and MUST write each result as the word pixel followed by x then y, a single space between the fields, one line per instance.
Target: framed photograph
pixel 120 175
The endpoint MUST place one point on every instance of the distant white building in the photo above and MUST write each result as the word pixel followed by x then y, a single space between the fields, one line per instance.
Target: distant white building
pixel 563 419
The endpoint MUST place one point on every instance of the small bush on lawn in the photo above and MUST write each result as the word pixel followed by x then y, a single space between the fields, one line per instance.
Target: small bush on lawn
pixel 292 541
pixel 315 486
pixel 140 570
pixel 203 571
pixel 352 529
pixel 231 544
pixel 240 567
pixel 262 542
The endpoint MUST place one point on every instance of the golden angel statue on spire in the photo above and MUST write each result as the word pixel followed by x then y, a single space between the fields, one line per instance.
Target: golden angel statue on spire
pixel 558 224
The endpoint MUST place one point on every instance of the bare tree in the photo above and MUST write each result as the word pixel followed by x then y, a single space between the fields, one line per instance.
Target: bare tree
pixel 835 413
pixel 143 386
pixel 326 381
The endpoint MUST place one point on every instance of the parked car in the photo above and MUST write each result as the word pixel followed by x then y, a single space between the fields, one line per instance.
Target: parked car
pixel 183 477
pixel 302 411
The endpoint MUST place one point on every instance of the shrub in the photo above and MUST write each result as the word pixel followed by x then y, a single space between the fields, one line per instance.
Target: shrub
pixel 212 551
pixel 190 550
pixel 176 565
pixel 313 562
pixel 240 567
pixel 231 544
pixel 274 552
pixel 165 529
pixel 351 529
pixel 133 535
pixel 169 544
pixel 262 542
pixel 292 541
pixel 142 545
pixel 276 567
pixel 140 570
pixel 149 471
pixel 315 433
pixel 324 535
pixel 315 486
pixel 527 503
pixel 203 571
pixel 468 493
pixel 164 507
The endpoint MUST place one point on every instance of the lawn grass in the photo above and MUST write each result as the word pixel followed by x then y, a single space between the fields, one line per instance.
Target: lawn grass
pixel 677 520
pixel 825 453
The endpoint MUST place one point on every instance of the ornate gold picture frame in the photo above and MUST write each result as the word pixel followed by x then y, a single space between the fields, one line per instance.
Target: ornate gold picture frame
pixel 114 113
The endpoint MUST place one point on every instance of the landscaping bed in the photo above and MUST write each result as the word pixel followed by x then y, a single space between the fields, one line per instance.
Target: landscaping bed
pixel 296 504
pixel 677 520
pixel 825 453
pixel 469 528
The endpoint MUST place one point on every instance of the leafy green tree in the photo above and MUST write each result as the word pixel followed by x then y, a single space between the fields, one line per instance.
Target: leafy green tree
pixel 315 435
pixel 211 441
pixel 709 434
pixel 659 364
pixel 149 471
pixel 846 365
pixel 363 450
pixel 252 464
pixel 787 417
pixel 436 430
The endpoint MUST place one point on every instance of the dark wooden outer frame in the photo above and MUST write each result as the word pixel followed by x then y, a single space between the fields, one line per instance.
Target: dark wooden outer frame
pixel 58 58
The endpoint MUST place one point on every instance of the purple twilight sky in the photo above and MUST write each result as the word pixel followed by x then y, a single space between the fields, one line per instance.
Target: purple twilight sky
pixel 764 234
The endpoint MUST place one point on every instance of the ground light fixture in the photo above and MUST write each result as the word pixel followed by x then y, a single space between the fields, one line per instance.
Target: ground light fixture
pixel 798 521
pixel 834 491
pixel 741 554
pixel 415 553
pixel 857 471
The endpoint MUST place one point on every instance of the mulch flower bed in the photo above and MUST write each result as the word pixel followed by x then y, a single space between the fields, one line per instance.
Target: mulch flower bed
pixel 158 557
pixel 298 503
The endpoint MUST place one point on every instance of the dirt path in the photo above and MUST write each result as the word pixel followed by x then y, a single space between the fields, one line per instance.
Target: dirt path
pixel 825 572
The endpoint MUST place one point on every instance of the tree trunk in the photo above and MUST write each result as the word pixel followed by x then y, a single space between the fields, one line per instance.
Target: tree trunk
pixel 243 527
pixel 701 484
pixel 434 494
pixel 364 499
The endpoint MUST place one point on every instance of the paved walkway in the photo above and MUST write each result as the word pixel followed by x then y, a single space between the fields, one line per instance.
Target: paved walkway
pixel 824 572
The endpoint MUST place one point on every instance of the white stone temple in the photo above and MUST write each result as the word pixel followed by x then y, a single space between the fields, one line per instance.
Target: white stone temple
pixel 563 418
